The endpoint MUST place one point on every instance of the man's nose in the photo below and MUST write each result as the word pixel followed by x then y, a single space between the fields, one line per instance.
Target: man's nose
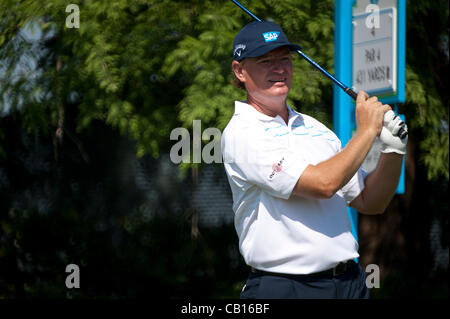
pixel 279 67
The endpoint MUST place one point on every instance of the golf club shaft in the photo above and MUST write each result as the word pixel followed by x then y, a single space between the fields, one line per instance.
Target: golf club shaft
pixel 401 133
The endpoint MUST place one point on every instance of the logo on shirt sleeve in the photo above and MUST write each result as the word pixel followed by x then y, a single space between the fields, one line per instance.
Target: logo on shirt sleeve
pixel 276 168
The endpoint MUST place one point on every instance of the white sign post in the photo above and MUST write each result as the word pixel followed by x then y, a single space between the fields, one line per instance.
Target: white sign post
pixel 375 52
pixel 378 51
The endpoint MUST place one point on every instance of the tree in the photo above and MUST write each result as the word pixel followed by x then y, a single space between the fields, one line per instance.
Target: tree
pixel 143 68
pixel 135 64
pixel 427 96
pixel 108 69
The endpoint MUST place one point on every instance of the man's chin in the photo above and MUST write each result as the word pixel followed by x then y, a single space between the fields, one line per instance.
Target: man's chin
pixel 278 91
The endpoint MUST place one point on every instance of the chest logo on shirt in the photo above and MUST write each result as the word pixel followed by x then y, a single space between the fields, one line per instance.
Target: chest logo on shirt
pixel 276 168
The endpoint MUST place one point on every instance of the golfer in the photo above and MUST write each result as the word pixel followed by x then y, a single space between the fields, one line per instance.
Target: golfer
pixel 291 179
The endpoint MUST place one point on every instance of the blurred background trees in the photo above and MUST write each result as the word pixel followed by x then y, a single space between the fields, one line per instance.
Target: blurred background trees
pixel 86 116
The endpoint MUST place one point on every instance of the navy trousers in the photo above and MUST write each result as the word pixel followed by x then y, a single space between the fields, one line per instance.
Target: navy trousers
pixel 351 284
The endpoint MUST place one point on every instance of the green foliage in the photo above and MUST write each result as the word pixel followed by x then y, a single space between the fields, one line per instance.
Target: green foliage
pixel 136 266
pixel 428 115
pixel 144 67
pixel 206 58
pixel 124 222
pixel 112 62
pixel 427 83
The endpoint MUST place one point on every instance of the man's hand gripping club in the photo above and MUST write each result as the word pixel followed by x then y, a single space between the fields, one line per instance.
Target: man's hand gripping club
pixel 388 136
pixel 390 127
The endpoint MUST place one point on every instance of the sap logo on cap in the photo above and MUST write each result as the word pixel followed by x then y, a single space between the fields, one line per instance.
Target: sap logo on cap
pixel 271 36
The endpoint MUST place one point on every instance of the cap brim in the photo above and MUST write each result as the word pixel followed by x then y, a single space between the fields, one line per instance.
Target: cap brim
pixel 267 48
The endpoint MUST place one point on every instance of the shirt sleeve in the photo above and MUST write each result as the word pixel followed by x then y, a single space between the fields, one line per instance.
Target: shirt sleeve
pixel 260 159
pixel 354 187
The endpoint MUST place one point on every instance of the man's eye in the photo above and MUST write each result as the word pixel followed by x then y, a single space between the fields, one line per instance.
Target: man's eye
pixel 265 61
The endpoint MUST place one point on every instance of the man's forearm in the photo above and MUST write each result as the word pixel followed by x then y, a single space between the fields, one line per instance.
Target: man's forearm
pixel 344 165
pixel 380 185
pixel 326 178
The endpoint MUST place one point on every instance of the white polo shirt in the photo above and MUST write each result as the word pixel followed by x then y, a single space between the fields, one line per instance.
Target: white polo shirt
pixel 263 159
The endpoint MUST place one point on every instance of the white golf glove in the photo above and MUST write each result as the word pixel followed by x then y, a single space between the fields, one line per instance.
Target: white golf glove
pixel 391 142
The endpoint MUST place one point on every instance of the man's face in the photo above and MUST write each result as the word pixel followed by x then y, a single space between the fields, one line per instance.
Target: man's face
pixel 268 76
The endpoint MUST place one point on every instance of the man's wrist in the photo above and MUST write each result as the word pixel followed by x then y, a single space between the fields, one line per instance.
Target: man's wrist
pixel 366 133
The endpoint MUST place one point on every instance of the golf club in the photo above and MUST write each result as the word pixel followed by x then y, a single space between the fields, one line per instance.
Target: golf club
pixel 402 133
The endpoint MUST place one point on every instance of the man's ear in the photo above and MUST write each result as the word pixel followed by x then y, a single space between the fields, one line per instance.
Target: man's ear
pixel 238 70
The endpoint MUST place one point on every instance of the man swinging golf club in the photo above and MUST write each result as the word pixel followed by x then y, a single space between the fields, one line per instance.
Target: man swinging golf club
pixel 291 180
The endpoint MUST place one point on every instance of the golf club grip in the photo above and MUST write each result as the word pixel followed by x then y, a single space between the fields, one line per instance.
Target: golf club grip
pixel 402 133
pixel 350 92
